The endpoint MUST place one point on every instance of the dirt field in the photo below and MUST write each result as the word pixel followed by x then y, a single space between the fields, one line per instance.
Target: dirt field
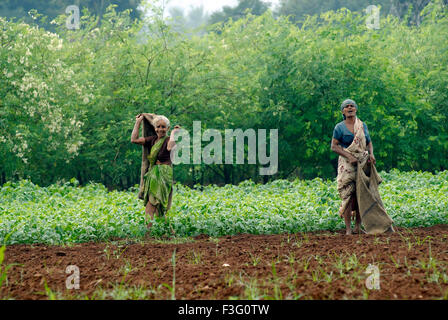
pixel 412 264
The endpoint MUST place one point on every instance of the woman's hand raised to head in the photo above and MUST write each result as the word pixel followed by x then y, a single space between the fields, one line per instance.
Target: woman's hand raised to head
pixel 171 142
pixel 135 131
pixel 175 129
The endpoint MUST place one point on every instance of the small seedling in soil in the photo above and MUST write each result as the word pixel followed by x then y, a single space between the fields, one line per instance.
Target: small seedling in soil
pixel 421 241
pixel 229 278
pixel 174 240
pixel 319 259
pixel 396 262
pixel 306 239
pixel 118 252
pixel 126 268
pixel 306 264
pixel 107 252
pixel 251 289
pixel 172 288
pixel 298 243
pixel 4 269
pixel 291 258
pixel 48 292
pixel 214 240
pixel 195 257
pixel 254 259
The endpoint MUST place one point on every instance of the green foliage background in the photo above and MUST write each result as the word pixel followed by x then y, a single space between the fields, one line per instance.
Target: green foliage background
pixel 68 100
pixel 19 9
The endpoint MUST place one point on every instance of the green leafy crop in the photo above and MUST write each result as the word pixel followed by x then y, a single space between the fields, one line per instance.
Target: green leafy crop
pixel 69 213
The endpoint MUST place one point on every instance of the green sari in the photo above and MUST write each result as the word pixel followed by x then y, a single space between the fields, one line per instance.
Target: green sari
pixel 158 181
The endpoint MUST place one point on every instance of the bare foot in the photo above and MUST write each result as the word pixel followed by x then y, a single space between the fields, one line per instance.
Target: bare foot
pixel 348 232
pixel 358 229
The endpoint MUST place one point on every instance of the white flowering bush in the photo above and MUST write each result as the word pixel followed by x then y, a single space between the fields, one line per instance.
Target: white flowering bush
pixel 41 103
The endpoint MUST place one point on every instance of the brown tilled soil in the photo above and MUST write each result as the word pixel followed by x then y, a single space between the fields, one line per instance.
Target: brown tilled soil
pixel 413 264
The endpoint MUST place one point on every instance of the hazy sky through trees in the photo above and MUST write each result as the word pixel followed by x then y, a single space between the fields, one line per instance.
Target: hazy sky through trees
pixel 210 6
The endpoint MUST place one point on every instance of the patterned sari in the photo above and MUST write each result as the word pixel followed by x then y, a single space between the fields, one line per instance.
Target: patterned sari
pixel 362 181
pixel 346 179
pixel 158 181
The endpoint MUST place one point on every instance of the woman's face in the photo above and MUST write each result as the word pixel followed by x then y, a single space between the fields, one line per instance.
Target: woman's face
pixel 349 111
pixel 161 128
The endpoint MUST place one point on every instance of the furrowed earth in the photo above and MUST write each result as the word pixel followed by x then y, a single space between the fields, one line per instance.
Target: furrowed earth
pixel 412 264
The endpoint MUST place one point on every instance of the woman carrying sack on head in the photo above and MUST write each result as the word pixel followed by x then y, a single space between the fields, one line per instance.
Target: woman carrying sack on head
pixel 157 186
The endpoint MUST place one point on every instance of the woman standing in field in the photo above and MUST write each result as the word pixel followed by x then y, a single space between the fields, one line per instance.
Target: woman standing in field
pixel 357 178
pixel 158 180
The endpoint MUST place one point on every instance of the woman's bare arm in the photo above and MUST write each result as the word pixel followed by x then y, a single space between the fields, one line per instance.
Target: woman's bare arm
pixel 335 147
pixel 171 142
pixel 135 132
pixel 370 149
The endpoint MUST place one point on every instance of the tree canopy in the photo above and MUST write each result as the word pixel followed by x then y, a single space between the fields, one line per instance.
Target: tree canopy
pixel 404 9
pixel 68 101
pixel 255 7
pixel 52 8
